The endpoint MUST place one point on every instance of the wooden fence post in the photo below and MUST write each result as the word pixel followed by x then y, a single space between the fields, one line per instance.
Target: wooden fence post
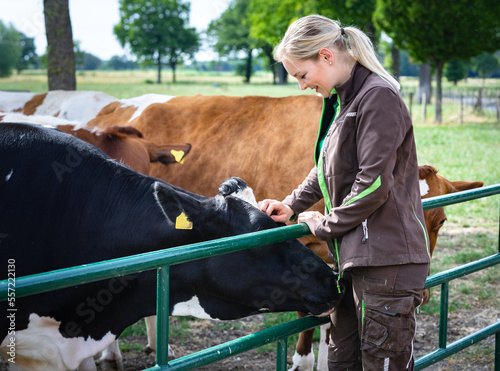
pixel 498 108
pixel 461 108
pixel 411 103
pixel 424 106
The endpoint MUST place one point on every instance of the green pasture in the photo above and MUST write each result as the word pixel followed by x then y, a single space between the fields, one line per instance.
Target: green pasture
pixel 467 150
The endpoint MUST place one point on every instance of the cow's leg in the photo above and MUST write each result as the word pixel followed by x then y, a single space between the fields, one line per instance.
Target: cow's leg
pixel 87 364
pixel 323 348
pixel 303 359
pixel 151 331
pixel 112 354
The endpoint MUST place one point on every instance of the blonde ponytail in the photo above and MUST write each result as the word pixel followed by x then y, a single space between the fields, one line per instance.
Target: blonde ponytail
pixel 307 35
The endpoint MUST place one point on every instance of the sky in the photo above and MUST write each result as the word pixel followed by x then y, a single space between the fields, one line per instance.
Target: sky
pixel 92 22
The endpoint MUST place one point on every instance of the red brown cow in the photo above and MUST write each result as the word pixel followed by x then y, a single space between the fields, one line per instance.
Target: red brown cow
pixel 122 143
pixel 127 145
pixel 431 185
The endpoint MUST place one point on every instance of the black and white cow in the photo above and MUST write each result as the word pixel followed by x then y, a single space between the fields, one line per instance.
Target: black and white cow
pixel 64 203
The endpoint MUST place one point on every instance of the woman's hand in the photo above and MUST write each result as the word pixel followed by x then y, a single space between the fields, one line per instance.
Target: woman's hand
pixel 276 210
pixel 310 218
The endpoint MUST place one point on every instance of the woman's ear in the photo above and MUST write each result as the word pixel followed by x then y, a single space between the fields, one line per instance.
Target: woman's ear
pixel 325 55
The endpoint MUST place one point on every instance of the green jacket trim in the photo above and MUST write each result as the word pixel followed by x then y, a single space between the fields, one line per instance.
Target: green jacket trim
pixel 367 191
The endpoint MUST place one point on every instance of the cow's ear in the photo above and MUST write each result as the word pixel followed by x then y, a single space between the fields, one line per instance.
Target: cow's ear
pixel 167 199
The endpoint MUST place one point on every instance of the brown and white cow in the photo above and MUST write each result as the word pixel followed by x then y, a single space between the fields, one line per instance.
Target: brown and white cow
pixel 125 144
pixel 269 142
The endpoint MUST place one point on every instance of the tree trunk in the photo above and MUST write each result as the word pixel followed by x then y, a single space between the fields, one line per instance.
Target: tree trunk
pixel 439 91
pixel 395 62
pixel 282 74
pixel 60 56
pixel 248 67
pixel 425 79
pixel 268 51
pixel 174 72
pixel 158 68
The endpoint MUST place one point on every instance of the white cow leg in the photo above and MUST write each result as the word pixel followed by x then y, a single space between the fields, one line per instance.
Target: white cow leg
pixel 87 364
pixel 323 349
pixel 303 363
pixel 112 354
pixel 171 353
pixel 151 331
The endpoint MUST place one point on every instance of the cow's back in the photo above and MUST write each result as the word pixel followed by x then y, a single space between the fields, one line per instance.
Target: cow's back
pixel 269 142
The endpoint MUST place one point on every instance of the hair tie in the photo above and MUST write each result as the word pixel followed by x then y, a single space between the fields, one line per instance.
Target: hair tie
pixel 342 32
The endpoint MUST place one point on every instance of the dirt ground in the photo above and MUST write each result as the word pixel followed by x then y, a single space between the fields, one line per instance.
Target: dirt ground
pixel 204 334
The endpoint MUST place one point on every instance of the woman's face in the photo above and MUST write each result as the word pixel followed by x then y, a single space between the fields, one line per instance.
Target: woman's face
pixel 318 75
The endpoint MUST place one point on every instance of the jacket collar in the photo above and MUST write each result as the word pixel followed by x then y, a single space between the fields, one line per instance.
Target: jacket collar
pixel 348 90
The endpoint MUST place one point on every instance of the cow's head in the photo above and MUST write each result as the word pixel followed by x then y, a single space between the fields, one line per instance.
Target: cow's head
pixel 431 185
pixel 284 276
pixel 126 144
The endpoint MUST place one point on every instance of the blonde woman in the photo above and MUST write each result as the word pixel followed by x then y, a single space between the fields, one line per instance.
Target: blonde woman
pixel 366 171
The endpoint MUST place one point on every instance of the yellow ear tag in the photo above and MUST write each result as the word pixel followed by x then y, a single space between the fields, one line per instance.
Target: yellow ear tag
pixel 182 222
pixel 179 156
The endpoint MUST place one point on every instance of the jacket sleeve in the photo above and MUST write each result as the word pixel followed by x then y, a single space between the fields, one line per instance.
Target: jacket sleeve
pixel 306 195
pixel 379 133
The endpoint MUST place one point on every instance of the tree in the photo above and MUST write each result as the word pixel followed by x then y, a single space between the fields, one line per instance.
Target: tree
pixel 232 32
pixel 440 31
pixel 455 70
pixel 10 49
pixel 120 63
pixel 269 19
pixel 485 64
pixel 60 55
pixel 157 32
pixel 28 55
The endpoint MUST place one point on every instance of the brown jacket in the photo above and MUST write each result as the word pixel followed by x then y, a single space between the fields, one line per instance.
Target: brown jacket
pixel 371 174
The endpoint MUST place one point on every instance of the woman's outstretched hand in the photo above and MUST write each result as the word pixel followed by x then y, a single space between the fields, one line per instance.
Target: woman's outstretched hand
pixel 276 210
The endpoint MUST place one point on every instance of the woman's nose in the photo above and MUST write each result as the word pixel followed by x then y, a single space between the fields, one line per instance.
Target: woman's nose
pixel 302 85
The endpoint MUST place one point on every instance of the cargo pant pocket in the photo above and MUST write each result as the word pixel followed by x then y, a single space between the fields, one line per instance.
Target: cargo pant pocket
pixel 388 325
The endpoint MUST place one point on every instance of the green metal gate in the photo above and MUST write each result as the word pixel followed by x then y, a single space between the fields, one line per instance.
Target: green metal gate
pixel 163 259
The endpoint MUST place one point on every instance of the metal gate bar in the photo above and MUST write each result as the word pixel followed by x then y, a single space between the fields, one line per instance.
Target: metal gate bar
pixel 162 259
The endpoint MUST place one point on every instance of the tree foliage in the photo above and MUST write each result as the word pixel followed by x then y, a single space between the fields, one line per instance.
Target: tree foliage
pixel 485 64
pixel 157 32
pixel 10 49
pixel 232 34
pixel 440 31
pixel 269 19
pixel 455 70
pixel 28 56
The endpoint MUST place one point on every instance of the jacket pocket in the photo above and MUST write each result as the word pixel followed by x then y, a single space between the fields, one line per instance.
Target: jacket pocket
pixel 388 324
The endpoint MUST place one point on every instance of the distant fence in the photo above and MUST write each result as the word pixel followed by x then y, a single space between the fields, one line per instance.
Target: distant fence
pixel 485 101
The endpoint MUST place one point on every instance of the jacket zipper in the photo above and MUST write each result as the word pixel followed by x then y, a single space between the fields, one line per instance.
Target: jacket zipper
pixel 365 231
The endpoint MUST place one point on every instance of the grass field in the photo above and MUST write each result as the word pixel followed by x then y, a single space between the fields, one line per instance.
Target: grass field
pixel 467 151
